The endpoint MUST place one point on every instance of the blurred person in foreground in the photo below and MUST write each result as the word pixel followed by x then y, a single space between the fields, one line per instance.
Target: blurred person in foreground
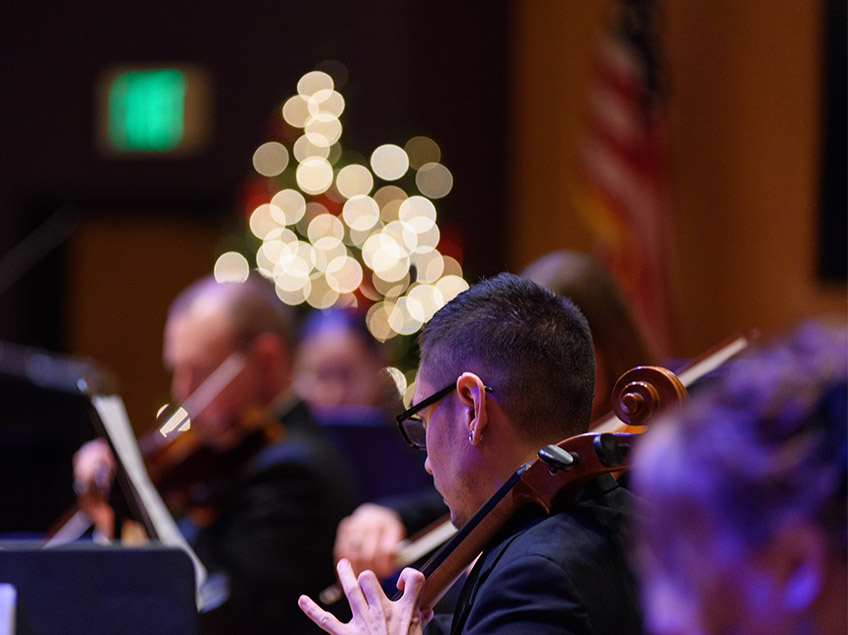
pixel 372 537
pixel 263 522
pixel 507 367
pixel 744 524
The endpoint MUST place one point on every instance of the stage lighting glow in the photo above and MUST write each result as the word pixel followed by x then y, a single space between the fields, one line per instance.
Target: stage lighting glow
pixel 389 162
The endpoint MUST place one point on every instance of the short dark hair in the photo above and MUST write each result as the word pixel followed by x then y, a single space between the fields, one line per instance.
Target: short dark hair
pixel 532 347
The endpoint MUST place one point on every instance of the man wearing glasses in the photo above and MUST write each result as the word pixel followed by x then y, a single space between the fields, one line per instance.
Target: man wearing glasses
pixel 507 367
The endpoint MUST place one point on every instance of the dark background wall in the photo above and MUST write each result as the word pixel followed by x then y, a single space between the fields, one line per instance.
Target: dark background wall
pixel 433 68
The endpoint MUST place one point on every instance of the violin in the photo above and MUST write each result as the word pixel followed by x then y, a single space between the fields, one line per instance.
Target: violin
pixel 189 475
pixel 195 478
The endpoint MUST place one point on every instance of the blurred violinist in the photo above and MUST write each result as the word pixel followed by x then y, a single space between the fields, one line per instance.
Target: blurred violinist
pixel 262 490
pixel 744 522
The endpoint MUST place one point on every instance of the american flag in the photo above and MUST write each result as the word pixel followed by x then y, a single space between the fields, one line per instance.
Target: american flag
pixel 623 187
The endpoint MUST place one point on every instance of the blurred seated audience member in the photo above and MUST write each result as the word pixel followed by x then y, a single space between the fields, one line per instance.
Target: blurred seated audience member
pixel 744 522
pixel 340 365
pixel 371 537
pixel 262 517
pixel 620 341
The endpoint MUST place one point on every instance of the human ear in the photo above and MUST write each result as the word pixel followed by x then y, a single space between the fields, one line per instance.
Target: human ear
pixel 472 395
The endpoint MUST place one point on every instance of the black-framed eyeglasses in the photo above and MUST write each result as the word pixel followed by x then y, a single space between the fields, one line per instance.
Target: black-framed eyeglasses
pixel 412 427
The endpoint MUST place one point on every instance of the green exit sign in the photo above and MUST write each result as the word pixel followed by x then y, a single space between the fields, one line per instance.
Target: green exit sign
pixel 147 110
pixel 152 110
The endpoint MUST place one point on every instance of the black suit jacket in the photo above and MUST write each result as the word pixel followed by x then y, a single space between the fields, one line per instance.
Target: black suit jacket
pixel 565 574
pixel 274 537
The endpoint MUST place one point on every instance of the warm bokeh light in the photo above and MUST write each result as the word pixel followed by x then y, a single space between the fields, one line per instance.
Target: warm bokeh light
pixel 323 129
pixel 418 213
pixel 326 101
pixel 329 238
pixel 423 301
pixel 271 158
pixel 291 205
pixel 389 162
pixel 361 213
pixel 323 226
pixel 296 111
pixel 429 265
pixel 344 274
pixel 231 266
pixel 434 180
pixel 451 286
pixel 377 320
pixel 312 82
pixel 422 150
pixel 390 289
pixel 314 175
pixel 401 320
pixel 328 249
pixel 303 149
pixel 354 180
pixel 262 222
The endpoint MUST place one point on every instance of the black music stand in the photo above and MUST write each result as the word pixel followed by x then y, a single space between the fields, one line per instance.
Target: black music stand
pixel 45 416
pixel 89 589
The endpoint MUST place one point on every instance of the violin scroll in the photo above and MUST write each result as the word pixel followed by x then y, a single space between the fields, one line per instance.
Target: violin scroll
pixel 642 392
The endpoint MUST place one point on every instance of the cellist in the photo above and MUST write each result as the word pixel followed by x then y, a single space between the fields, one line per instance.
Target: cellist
pixel 507 367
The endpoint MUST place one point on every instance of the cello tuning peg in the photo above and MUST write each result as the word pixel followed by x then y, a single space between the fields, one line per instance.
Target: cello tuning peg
pixel 556 458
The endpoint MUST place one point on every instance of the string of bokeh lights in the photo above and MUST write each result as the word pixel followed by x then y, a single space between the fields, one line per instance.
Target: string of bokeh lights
pixel 341 235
